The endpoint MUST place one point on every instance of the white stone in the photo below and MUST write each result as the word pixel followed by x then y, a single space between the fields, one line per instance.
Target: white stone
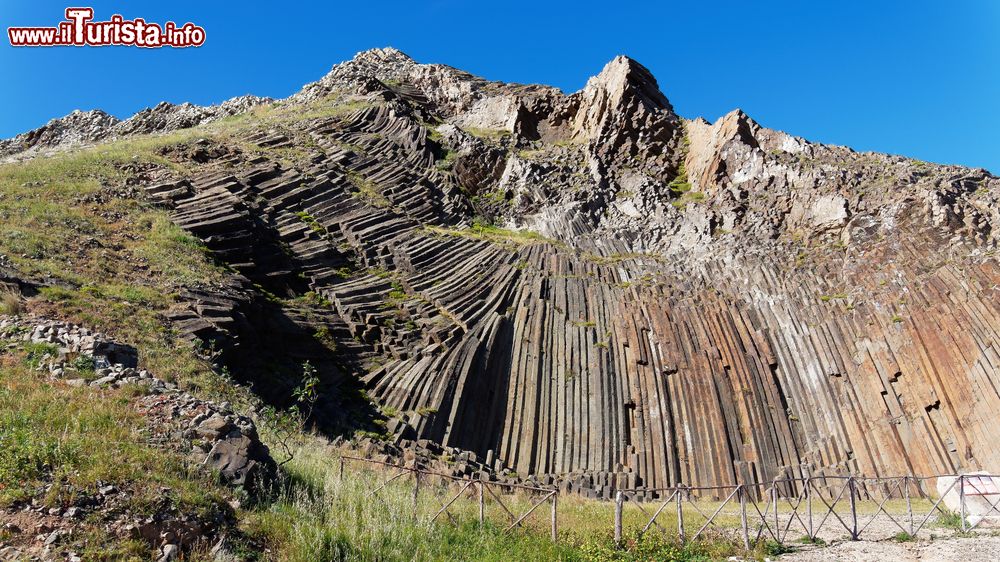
pixel 982 491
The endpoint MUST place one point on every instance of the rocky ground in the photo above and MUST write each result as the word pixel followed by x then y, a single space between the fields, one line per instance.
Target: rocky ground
pixel 942 550
pixel 212 435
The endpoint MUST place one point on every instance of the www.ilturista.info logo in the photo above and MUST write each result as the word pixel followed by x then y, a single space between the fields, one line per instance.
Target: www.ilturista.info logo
pixel 79 30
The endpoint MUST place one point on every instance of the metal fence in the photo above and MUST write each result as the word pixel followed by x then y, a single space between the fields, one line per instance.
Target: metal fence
pixel 783 510
pixel 483 489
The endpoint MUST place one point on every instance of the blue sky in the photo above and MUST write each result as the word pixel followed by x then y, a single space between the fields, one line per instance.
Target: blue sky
pixel 919 78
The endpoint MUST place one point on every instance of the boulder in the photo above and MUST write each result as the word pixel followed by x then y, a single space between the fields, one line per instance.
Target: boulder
pixel 242 461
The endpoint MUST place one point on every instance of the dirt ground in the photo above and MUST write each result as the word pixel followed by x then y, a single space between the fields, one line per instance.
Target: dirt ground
pixel 971 549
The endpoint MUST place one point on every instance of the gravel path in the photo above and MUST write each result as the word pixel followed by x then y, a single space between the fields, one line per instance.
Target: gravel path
pixel 953 549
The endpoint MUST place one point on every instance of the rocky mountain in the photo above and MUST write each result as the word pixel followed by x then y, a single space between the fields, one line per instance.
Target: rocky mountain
pixel 87 127
pixel 589 288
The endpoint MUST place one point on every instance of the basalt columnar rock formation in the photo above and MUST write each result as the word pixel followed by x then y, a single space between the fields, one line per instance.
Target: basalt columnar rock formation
pixel 593 287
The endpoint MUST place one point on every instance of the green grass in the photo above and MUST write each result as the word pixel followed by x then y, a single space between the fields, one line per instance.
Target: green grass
pixel 112 260
pixel 369 191
pixel 686 198
pixel 680 184
pixel 949 520
pixel 495 234
pixel 493 135
pixel 448 161
pixel 806 539
pixel 318 516
pixel 681 187
pixel 617 258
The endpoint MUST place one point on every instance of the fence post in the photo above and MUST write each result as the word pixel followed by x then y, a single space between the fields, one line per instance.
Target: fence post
pixel 416 492
pixel 909 505
pixel 774 500
pixel 743 516
pixel 961 497
pixel 680 512
pixel 482 502
pixel 555 523
pixel 619 501
pixel 809 507
pixel 341 469
pixel 854 509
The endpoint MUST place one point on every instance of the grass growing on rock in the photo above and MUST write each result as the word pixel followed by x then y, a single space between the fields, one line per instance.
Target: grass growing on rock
pixel 495 234
pixel 107 257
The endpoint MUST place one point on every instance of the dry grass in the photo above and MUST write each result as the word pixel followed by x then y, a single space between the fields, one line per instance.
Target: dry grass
pixel 501 236
pixel 10 302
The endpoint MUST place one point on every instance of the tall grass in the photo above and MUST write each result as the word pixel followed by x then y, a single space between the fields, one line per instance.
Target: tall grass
pixel 319 515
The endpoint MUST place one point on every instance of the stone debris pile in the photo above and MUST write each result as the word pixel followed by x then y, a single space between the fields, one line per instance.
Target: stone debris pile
pixel 442 459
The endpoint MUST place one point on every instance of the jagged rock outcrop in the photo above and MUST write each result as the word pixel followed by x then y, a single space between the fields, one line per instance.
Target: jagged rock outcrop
pixel 169 117
pixel 700 303
pixel 87 127
pixel 78 127
pixel 623 114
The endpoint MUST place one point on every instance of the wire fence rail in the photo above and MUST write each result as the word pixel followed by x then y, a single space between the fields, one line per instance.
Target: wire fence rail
pixel 485 493
pixel 783 510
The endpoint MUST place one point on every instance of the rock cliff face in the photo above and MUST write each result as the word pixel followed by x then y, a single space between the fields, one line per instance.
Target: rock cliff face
pixel 669 300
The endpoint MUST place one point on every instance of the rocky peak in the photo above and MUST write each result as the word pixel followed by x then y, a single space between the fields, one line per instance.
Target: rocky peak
pixel 623 111
pixel 84 127
pixel 737 124
pixel 74 128
pixel 623 83
pixel 385 64
pixel 387 55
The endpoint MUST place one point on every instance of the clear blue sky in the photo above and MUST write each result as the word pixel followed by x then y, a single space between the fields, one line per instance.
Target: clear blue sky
pixel 918 77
